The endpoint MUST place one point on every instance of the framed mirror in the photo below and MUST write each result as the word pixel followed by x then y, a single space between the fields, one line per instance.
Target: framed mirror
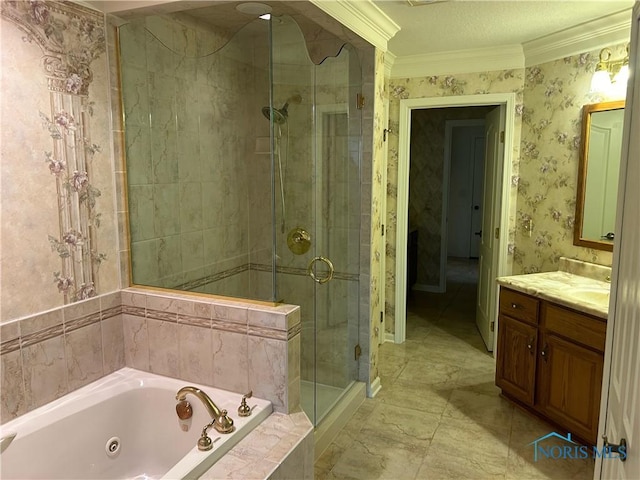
pixel 600 151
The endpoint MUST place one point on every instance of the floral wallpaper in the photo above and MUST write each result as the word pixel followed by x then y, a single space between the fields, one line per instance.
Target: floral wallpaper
pixel 438 86
pixel 58 229
pixel 554 94
pixel 550 97
pixel 377 190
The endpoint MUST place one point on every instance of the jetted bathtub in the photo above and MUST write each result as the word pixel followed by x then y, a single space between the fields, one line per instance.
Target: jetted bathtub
pixel 123 426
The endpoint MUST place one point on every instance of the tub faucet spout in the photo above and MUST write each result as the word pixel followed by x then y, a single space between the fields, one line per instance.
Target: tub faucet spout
pixel 221 421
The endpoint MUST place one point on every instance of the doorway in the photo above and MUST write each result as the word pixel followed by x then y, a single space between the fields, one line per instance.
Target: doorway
pixel 447 152
pixel 465 157
pixel 498 262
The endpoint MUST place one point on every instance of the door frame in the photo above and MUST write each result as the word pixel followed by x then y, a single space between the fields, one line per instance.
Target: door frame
pixel 449 127
pixel 506 100
pixel 617 321
pixel 382 333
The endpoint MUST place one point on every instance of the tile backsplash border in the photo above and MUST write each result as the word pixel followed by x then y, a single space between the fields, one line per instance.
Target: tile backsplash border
pixel 227 344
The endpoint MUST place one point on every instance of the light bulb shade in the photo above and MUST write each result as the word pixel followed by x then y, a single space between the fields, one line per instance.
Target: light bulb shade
pixel 622 76
pixel 600 82
pixel 619 86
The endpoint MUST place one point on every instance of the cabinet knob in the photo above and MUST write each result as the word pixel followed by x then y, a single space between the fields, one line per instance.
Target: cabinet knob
pixel 543 352
pixel 530 345
pixel 514 305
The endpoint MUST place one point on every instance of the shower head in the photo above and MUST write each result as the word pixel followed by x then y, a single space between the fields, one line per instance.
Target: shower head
pixel 280 115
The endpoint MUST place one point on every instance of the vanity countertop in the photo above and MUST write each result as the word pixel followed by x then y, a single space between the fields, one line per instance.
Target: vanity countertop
pixel 581 293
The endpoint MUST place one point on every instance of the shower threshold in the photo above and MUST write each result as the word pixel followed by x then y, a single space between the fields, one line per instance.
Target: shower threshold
pixel 340 405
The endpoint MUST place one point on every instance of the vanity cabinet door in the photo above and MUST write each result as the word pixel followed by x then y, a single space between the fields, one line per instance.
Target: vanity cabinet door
pixel 569 383
pixel 516 359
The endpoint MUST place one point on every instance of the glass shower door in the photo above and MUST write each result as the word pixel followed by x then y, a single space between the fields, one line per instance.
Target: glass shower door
pixel 335 266
pixel 316 131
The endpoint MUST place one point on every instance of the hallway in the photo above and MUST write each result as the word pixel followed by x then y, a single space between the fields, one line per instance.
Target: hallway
pixel 439 415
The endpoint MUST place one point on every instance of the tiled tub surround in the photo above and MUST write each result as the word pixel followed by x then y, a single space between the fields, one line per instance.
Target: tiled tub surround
pixel 280 448
pixel 223 343
pixel 47 355
pixel 578 285
pixel 227 344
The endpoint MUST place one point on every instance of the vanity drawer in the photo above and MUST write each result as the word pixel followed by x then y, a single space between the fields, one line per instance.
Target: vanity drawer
pixel 519 305
pixel 578 327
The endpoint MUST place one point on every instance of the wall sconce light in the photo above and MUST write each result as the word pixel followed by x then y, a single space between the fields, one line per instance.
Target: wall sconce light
pixel 611 75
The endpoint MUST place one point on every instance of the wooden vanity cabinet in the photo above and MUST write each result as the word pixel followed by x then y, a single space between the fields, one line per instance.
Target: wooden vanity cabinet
pixel 551 362
pixel 570 366
pixel 517 346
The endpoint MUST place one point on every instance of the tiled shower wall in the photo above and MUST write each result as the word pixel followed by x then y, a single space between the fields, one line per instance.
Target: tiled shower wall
pixel 187 156
pixel 296 156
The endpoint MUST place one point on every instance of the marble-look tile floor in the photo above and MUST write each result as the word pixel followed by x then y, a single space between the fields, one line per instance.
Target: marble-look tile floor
pixel 439 415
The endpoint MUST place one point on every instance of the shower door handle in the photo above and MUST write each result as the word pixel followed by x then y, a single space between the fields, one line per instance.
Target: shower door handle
pixel 310 272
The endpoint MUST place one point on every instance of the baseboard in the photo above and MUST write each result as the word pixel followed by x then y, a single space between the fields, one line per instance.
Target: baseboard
pixel 389 337
pixel 427 288
pixel 374 388
pixel 337 418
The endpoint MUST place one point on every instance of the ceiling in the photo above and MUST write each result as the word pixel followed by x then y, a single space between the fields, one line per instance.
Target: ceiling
pixel 432 37
pixel 456 25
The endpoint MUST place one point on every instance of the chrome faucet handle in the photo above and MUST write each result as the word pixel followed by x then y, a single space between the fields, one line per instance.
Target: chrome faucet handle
pixel 223 424
pixel 244 410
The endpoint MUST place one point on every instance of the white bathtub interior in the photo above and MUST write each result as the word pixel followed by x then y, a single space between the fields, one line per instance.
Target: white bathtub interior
pixel 70 437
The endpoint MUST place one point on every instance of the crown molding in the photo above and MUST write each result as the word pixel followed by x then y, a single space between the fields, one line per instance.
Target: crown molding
pixel 459 61
pixel 118 6
pixel 389 61
pixel 363 17
pixel 599 33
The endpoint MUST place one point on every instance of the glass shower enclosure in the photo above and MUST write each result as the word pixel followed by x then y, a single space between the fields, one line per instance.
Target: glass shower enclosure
pixel 243 161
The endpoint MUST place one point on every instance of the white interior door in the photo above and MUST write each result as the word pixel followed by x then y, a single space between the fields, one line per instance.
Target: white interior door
pixel 489 240
pixel 465 170
pixel 621 383
pixel 477 196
